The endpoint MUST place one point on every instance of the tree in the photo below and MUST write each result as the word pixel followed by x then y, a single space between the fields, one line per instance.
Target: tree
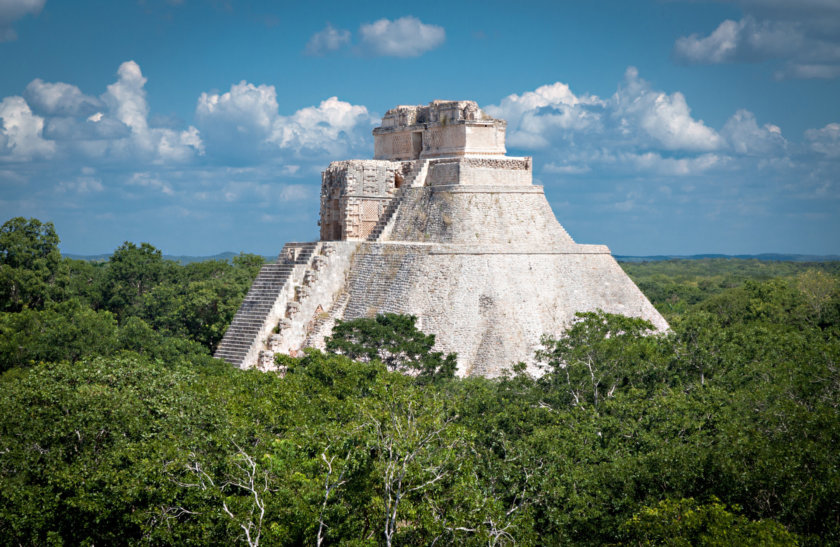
pixel 67 331
pixel 29 263
pixel 689 523
pixel 396 341
pixel 595 355
pixel 132 272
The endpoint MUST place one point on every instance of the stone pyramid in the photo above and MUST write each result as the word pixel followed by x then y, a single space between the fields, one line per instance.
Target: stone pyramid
pixel 441 225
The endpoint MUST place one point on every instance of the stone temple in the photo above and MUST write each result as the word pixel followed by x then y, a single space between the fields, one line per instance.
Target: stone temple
pixel 441 224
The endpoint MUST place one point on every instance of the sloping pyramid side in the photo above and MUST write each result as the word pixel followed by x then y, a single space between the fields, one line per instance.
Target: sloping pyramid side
pixel 488 271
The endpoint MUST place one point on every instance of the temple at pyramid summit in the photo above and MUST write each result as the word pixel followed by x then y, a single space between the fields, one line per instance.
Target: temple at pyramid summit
pixel 442 225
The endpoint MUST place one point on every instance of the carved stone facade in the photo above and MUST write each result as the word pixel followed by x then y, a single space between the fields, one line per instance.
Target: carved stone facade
pixel 441 225
pixel 440 129
pixel 354 194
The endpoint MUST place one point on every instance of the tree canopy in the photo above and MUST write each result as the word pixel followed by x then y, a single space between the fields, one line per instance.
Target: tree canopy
pixel 119 428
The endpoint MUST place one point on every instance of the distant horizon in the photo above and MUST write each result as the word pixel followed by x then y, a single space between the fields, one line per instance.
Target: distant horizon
pixel 828 257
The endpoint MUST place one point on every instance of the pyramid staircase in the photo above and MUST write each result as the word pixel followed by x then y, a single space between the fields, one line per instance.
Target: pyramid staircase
pixel 415 178
pixel 316 334
pixel 273 282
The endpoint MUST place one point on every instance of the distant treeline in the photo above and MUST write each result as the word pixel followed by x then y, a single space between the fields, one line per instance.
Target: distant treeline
pixel 119 428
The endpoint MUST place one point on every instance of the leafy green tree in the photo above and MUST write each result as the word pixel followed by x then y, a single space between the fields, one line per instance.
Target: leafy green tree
pixel 29 264
pixel 687 522
pixel 131 273
pixel 67 331
pixel 598 353
pixel 396 341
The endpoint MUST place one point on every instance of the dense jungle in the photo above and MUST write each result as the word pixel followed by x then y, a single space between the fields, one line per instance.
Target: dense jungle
pixel 118 427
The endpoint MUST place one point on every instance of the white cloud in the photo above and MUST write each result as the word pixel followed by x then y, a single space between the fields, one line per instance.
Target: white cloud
pixel 744 136
pixel 21 133
pixel 152 181
pixel 247 110
pixel 126 102
pixel 717 47
pixel 803 35
pixel 114 127
pixel 635 117
pixel 825 141
pixel 327 40
pixel 665 118
pixel 245 121
pixel 59 99
pixel 84 184
pixel 403 37
pixel 655 163
pixel 322 127
pixel 566 169
pixel 126 98
pixel 534 115
pixel 11 11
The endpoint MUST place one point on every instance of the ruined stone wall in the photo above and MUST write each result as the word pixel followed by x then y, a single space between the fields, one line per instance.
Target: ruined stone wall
pixel 354 194
pixel 485 171
pixel 479 215
pixel 312 299
pixel 490 306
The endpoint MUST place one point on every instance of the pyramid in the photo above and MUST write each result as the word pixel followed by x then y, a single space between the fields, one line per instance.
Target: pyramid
pixel 442 225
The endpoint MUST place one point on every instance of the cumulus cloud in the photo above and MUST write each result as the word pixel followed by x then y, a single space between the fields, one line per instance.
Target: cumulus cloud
pixel 803 35
pixel 327 40
pixel 11 11
pixel 59 99
pixel 825 141
pixel 246 121
pixel 125 102
pixel 538 114
pixel 247 110
pixel 21 133
pixel 665 118
pixel 332 123
pixel 58 118
pixel 403 37
pixel 744 135
pixel 636 117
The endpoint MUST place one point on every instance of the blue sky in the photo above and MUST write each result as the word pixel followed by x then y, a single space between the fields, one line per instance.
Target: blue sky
pixel 202 126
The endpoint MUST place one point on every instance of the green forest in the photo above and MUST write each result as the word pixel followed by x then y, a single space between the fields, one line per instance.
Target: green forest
pixel 118 427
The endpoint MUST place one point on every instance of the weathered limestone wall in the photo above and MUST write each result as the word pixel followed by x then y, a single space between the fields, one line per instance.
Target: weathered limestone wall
pixel 312 300
pixel 479 215
pixel 354 194
pixel 441 129
pixel 490 306
pixel 483 171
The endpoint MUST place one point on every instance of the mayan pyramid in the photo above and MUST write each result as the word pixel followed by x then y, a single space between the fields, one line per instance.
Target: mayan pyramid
pixel 441 224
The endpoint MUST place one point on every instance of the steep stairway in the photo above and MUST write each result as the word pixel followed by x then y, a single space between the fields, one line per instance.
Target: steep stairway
pixel 269 285
pixel 316 334
pixel 415 178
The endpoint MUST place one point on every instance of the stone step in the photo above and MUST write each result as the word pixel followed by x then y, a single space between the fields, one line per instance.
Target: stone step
pixel 271 282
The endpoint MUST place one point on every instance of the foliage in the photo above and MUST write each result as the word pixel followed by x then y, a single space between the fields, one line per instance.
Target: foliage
pixel 686 522
pixel 56 305
pixel 118 427
pixel 396 341
pixel 596 354
pixel 29 263
pixel 61 332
